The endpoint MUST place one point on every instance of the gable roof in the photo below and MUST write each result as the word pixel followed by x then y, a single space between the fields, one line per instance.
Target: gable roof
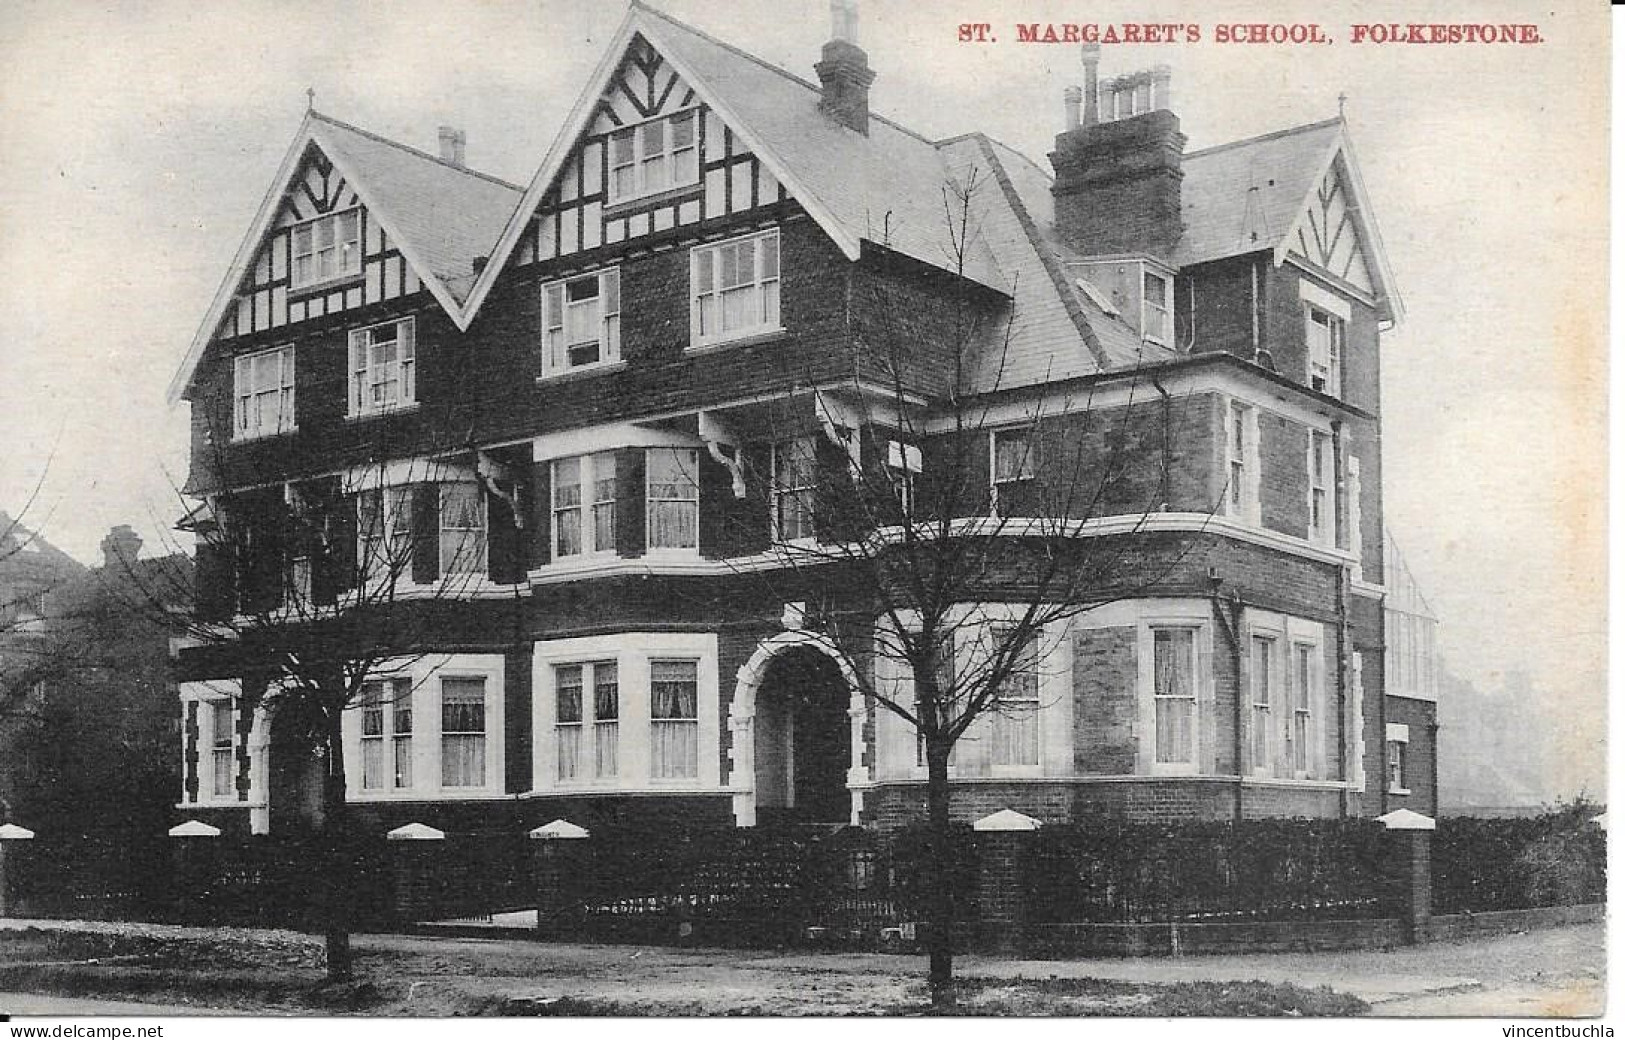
pixel 1248 195
pixel 441 217
pixel 885 187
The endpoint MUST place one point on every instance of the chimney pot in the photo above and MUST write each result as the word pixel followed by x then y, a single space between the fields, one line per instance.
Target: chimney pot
pixel 1072 97
pixel 452 142
pixel 1091 84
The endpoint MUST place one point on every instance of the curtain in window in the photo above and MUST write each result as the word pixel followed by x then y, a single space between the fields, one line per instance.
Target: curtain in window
pixel 567 507
pixel 674 711
pixel 606 712
pixel 462 732
pixel 462 528
pixel 372 735
pixel 1015 723
pixel 1175 694
pixel 567 681
pixel 603 501
pixel 674 498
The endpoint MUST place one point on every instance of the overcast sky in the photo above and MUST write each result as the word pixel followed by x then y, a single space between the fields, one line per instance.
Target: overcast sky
pixel 137 140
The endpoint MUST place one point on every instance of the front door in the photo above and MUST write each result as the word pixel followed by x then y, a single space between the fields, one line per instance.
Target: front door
pixel 804 743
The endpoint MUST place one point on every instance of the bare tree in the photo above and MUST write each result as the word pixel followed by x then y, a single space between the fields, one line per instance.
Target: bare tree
pixel 317 590
pixel 951 557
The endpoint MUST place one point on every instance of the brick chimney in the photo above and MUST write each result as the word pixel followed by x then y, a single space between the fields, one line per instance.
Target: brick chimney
pixel 452 141
pixel 844 71
pixel 1117 173
pixel 120 548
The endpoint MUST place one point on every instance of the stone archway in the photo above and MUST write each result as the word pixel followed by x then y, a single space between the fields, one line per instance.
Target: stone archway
pixel 762 770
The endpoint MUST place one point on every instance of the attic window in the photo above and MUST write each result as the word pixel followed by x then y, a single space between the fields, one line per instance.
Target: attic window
pixel 327 248
pixel 653 157
pixel 1156 308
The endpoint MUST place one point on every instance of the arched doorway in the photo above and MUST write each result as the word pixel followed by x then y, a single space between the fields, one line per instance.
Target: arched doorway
pixel 803 739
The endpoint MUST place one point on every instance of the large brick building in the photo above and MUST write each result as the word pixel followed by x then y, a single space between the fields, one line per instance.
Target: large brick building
pixel 610 402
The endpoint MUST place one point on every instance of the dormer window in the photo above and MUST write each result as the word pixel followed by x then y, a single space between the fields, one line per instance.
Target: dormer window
pixel 581 322
pixel 653 157
pixel 327 248
pixel 1157 308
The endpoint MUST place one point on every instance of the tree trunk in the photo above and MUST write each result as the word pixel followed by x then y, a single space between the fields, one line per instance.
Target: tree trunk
pixel 939 876
pixel 340 866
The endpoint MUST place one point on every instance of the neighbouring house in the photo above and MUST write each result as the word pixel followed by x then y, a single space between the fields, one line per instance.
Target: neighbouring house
pixel 609 399
pixel 33 575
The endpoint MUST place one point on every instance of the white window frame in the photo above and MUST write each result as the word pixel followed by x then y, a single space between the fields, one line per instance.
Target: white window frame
pixel 903 465
pixel 1301 715
pixel 589 732
pixel 425 742
pixel 764 286
pixel 679 165
pixel 390 545
pixel 691 469
pixel 484 732
pixel 1162 330
pixel 1324 354
pixel 1287 635
pixel 456 565
pixel 1241 488
pixel 782 490
pixel 655 773
pixel 1027 470
pixel 1396 754
pixel 222 748
pixel 1322 489
pixel 1191 762
pixel 394 737
pixel 1263 701
pixel 249 398
pixel 346 252
pixel 603 312
pixel 1028 671
pixel 588 507
pixel 368 374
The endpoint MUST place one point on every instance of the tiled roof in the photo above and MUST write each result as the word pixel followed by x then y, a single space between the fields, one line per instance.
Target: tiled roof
pixel 448 214
pixel 1244 196
pixel 885 187
pixel 1055 331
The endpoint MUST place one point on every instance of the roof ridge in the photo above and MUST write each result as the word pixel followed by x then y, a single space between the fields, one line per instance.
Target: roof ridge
pixel 764 63
pixel 1303 128
pixel 420 153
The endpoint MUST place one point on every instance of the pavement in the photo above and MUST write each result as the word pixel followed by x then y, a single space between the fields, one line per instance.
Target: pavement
pixel 1548 972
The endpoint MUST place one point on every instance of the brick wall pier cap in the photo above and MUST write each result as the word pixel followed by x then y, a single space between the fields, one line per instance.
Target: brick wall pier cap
pixel 559 829
pixel 1006 820
pixel 1406 820
pixel 194 829
pixel 415 832
pixel 12 832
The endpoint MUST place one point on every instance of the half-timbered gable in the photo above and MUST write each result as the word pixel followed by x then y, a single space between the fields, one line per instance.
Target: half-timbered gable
pixel 1328 236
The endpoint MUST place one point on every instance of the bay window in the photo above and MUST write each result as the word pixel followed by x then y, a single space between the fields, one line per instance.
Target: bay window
pixel 462 528
pixel 1261 721
pixel 653 157
pixel 735 288
pixel 1016 707
pixel 327 248
pixel 383 367
pixel 674 720
pixel 462 732
pixel 587 727
pixel 386 734
pixel 673 494
pixel 384 532
pixel 581 322
pixel 1174 674
pixel 795 486
pixel 1015 467
pixel 264 393
pixel 584 504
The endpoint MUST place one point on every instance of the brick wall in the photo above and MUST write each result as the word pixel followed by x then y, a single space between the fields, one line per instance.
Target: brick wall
pixel 1171 800
pixel 1421 754
pixel 1283 484
pixel 1105 700
pixel 1223 310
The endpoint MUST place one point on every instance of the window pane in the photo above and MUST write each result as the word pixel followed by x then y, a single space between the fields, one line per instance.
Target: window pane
pixel 606 704
pixel 568 682
pixel 462 727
